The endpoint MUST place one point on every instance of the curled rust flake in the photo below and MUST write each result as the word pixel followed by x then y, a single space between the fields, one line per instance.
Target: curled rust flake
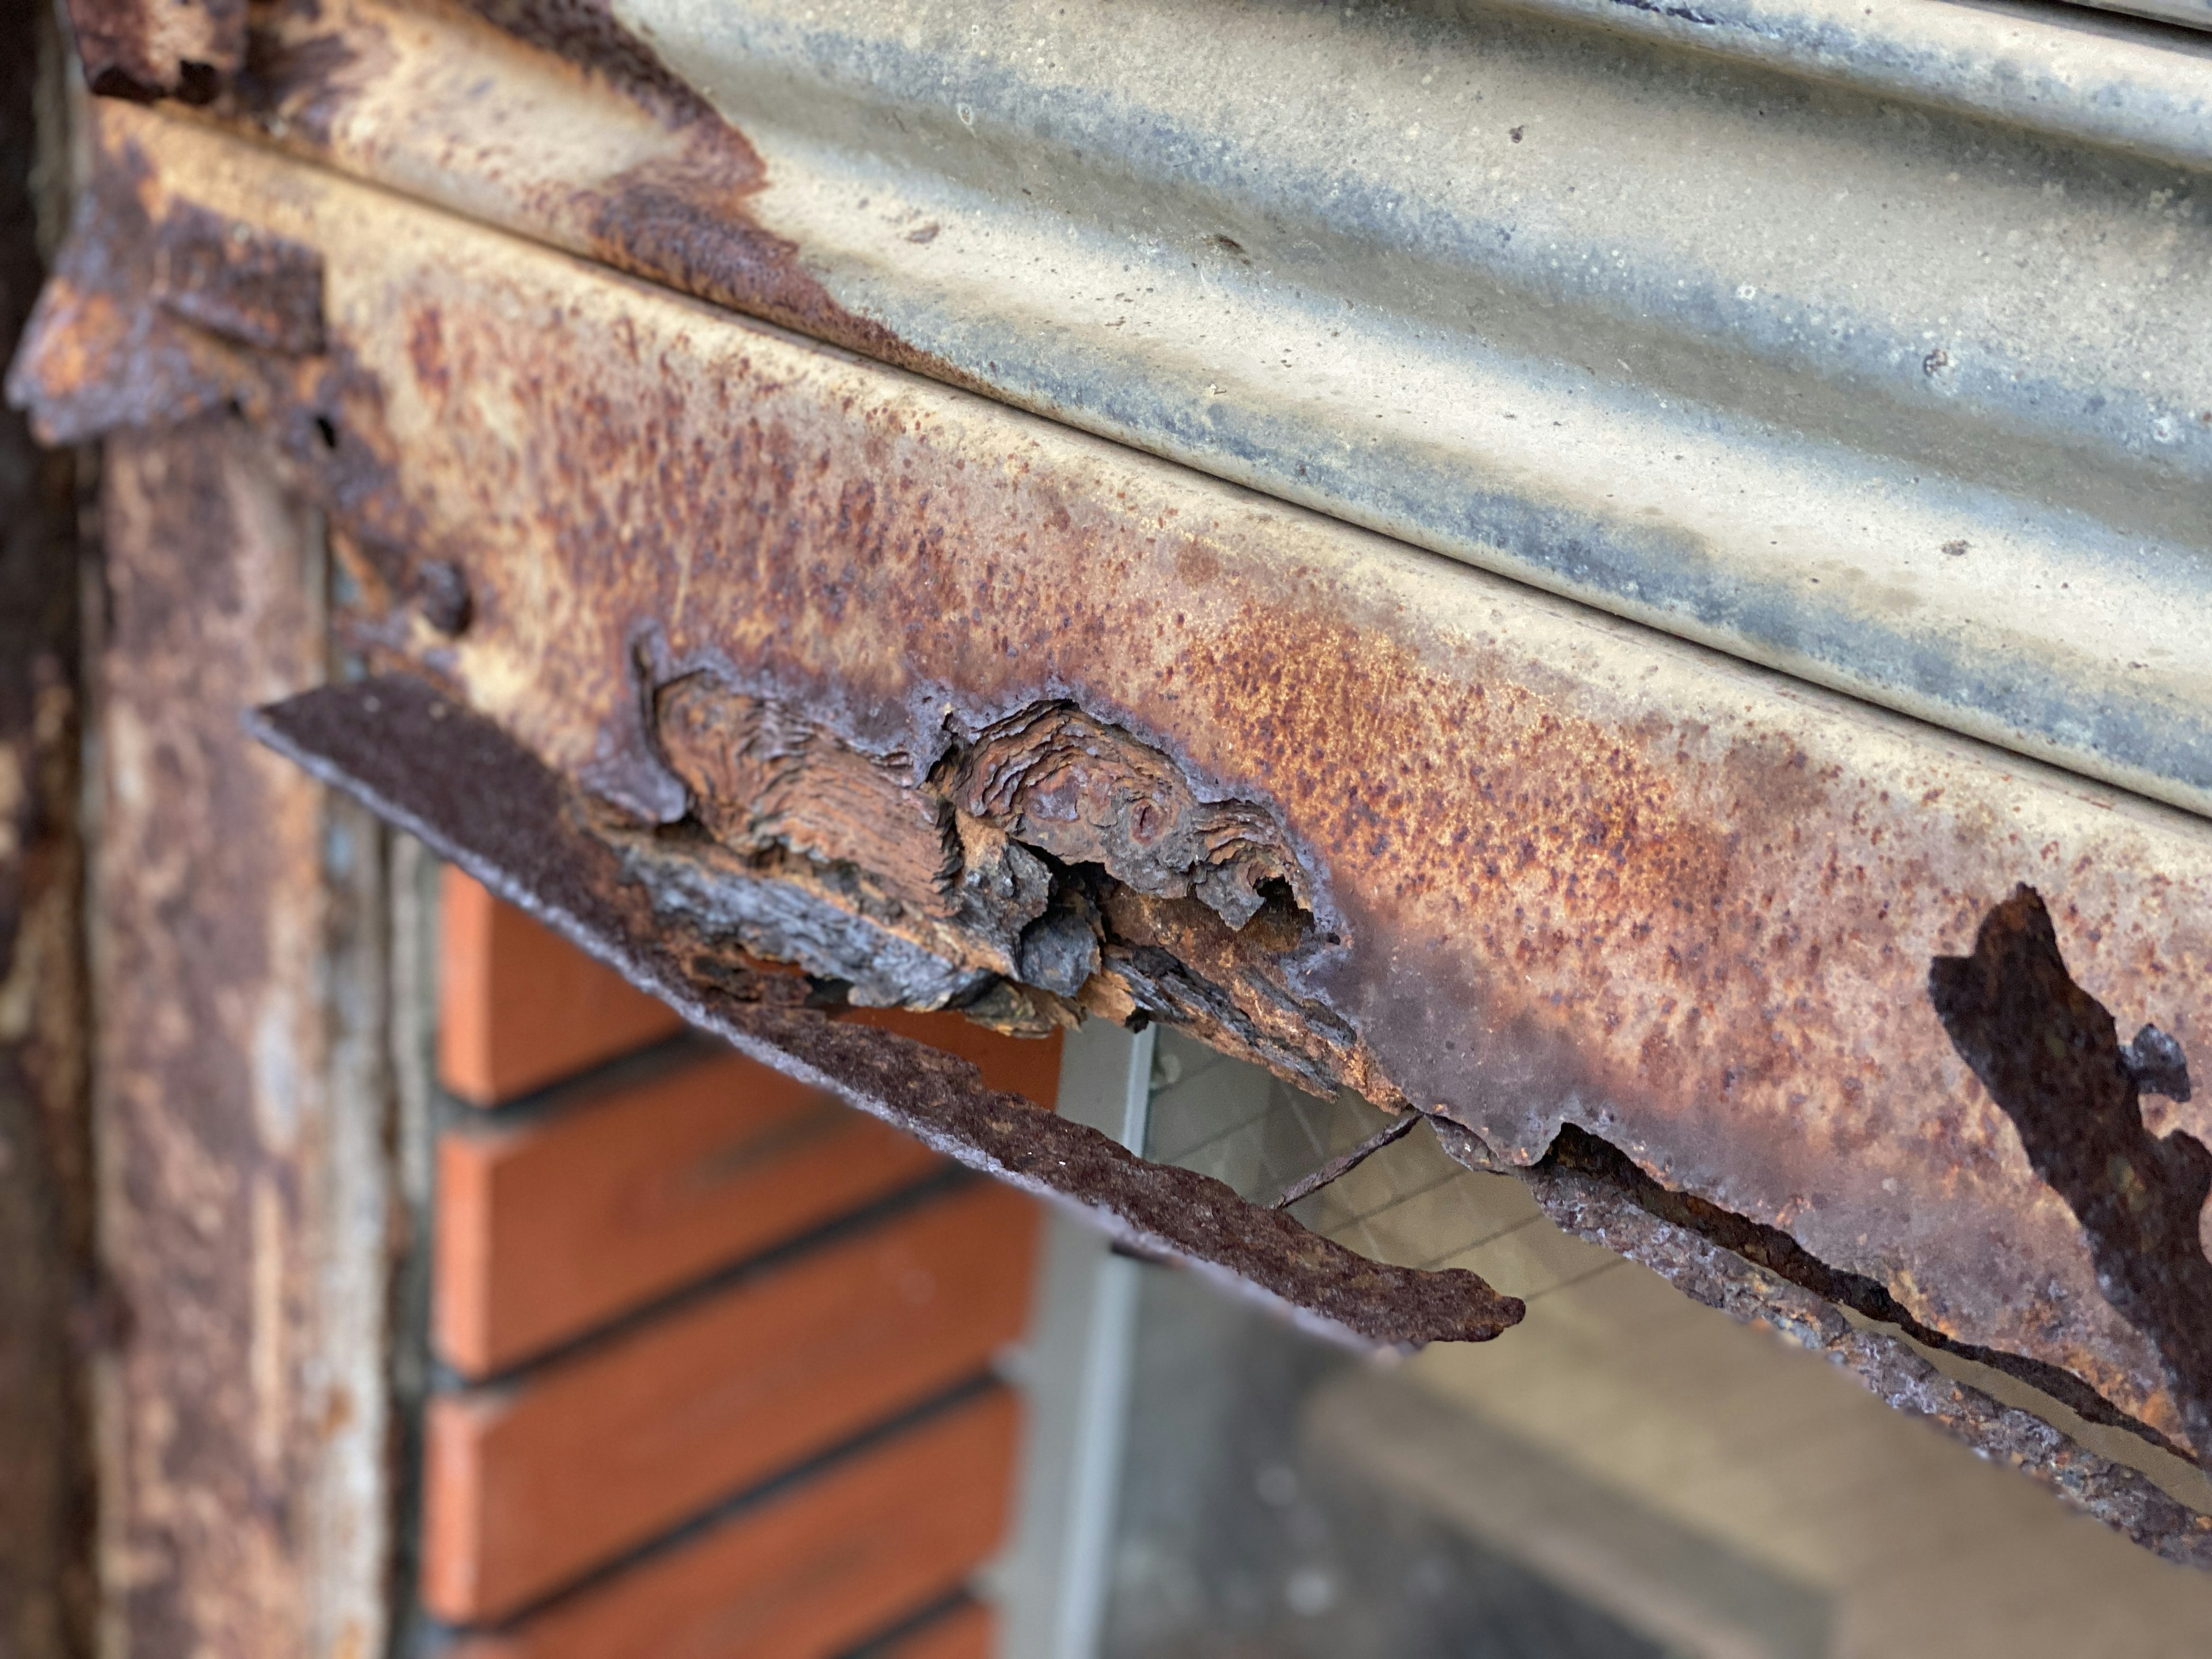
pixel 1089 793
pixel 2049 1053
pixel 456 780
pixel 1053 859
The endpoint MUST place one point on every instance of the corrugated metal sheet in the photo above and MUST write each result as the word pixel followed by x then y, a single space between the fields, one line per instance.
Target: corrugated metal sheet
pixel 1871 348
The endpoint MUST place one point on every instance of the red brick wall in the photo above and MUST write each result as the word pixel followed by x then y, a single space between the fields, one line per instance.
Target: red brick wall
pixel 721 1346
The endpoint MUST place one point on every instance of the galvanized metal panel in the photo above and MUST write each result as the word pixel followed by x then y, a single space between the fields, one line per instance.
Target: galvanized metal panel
pixel 1545 867
pixel 1869 343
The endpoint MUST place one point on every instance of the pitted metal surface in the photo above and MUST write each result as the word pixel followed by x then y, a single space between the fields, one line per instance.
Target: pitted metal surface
pixel 1530 865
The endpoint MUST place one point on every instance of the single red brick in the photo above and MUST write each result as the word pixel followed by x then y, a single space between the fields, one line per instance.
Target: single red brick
pixel 519 1007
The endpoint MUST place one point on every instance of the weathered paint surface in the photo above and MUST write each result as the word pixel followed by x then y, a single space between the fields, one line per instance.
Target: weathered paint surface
pixel 238 1099
pixel 1543 868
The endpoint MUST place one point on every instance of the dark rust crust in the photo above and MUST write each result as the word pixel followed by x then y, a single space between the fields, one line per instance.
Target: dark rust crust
pixel 239 283
pixel 587 33
pixel 2048 1054
pixel 429 766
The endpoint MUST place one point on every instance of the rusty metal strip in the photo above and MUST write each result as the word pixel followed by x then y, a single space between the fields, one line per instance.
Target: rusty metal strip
pixel 427 765
pixel 940 699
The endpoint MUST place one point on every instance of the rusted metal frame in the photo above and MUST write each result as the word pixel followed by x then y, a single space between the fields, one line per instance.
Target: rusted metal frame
pixel 48 1303
pixel 1514 862
pixel 1812 400
pixel 429 766
pixel 239 1096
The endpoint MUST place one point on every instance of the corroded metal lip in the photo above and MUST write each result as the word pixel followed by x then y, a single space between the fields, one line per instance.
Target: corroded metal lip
pixel 454 779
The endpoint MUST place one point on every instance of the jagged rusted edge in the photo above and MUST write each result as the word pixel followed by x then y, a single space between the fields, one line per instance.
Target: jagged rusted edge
pixel 2123 1499
pixel 454 779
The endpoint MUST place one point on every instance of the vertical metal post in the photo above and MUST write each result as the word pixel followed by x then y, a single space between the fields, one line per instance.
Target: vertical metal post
pixel 1052 1586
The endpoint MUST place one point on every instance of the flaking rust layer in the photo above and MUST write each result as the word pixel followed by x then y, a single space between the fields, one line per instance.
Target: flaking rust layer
pixel 476 796
pixel 1367 815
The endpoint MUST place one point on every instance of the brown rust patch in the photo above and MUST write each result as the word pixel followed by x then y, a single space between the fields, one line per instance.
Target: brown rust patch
pixel 1555 870
pixel 161 310
pixel 239 282
pixel 676 203
pixel 687 220
pixel 98 353
pixel 2048 1054
pixel 587 33
pixel 469 791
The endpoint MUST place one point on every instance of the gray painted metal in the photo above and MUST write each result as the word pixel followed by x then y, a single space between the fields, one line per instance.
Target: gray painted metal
pixel 2190 14
pixel 1872 342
